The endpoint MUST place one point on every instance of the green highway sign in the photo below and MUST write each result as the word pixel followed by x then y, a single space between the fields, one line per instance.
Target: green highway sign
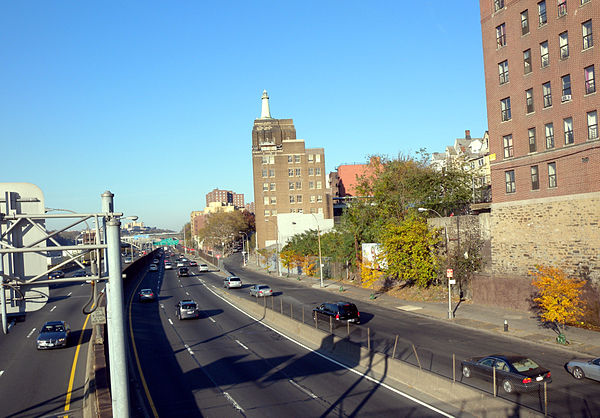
pixel 166 241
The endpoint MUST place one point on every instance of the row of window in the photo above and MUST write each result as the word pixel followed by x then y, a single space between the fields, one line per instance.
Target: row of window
pixel 511 185
pixel 273 212
pixel 589 87
pixel 563 38
pixel 316 171
pixel 272 200
pixel 561 9
pixel 568 134
pixel 271 187
pixel 296 159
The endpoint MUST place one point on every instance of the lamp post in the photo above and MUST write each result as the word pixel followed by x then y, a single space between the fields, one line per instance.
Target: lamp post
pixel 421 210
pixel 244 245
pixel 319 241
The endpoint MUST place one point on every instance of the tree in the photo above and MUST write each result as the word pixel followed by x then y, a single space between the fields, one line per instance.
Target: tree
pixel 222 229
pixel 559 297
pixel 465 259
pixel 287 259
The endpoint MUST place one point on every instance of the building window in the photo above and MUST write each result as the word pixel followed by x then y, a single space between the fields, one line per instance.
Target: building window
pixel 264 173
pixel 290 159
pixel 292 198
pixel 290 172
pixel 265 187
pixel 265 159
pixel 549 135
pixel 498 5
pixel 584 1
pixel 568 125
pixel 298 185
pixel 562 8
pixel 547 93
pixel 508 146
pixel 503 71
pixel 313 210
pixel 552 175
pixel 319 185
pixel 273 200
pixel 501 35
pixel 529 101
pixel 535 178
pixel 542 12
pixel 505 109
pixel 566 88
pixel 267 213
pixel 590 84
pixel 274 212
pixel 271 173
pixel 311 184
pixel 510 181
pixel 317 158
pixel 563 42
pixel 272 187
pixel 532 143
pixel 317 171
pixel 311 158
pixel 588 40
pixel 319 199
pixel 299 198
pixel 313 199
pixel 296 159
pixel 298 172
pixel 266 200
pixel 524 22
pixel 311 171
pixel 291 185
pixel 545 57
pixel 300 210
pixel 592 121
pixel 527 61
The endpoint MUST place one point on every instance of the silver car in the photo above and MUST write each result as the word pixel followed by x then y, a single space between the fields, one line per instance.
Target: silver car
pixel 261 290
pixel 187 309
pixel 53 334
pixel 232 281
pixel 581 368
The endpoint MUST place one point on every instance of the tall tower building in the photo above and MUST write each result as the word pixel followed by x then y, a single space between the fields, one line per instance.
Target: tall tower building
pixel 288 178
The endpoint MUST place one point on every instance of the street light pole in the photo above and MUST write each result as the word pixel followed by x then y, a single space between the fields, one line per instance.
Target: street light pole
pixel 450 315
pixel 247 253
pixel 319 241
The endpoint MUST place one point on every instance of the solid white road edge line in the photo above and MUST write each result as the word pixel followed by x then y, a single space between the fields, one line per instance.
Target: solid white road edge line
pixel 233 402
pixel 31 333
pixel 405 395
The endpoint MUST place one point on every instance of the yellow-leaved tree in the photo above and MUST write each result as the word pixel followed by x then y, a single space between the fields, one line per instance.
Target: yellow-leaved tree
pixel 287 259
pixel 559 297
pixel 369 273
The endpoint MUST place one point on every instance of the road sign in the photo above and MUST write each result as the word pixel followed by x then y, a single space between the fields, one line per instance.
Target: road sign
pixel 99 316
pixel 449 273
pixel 166 241
pixel 452 281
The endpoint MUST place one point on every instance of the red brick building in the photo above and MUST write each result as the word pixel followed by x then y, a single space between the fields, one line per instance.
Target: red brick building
pixel 225 196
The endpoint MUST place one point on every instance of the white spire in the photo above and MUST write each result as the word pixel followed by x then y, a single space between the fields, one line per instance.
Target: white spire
pixel 265 113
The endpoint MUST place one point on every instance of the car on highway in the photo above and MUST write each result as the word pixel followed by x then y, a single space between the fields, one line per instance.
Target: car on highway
pixel 127 260
pixel 183 272
pixel 339 311
pixel 80 273
pixel 53 334
pixel 203 267
pixel 180 263
pixel 168 265
pixel 187 309
pixel 232 281
pixel 155 261
pixel 193 263
pixel 584 367
pixel 261 290
pixel 146 295
pixel 153 267
pixel 513 372
pixel 56 274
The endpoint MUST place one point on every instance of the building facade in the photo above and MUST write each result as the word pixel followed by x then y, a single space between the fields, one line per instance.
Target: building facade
pixel 288 178
pixel 541 62
pixel 227 197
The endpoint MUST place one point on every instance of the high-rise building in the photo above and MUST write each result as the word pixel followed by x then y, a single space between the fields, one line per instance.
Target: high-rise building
pixel 227 197
pixel 288 178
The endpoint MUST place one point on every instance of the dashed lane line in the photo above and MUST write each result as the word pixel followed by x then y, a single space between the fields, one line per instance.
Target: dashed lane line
pixel 187 347
pixel 70 293
pixel 1 372
pixel 170 322
pixel 53 308
pixel 212 319
pixel 239 342
pixel 31 333
pixel 308 392
pixel 233 402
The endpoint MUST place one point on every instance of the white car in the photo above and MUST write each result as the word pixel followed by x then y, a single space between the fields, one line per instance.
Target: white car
pixel 232 281
pixel 180 263
pixel 203 267
pixel 168 265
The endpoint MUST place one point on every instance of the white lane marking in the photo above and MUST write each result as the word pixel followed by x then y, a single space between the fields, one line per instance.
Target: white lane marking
pixel 31 333
pixel 238 341
pixel 369 378
pixel 70 293
pixel 53 308
pixel 308 392
pixel 187 293
pixel 170 322
pixel 1 372
pixel 211 319
pixel 234 403
pixel 81 284
pixel 189 349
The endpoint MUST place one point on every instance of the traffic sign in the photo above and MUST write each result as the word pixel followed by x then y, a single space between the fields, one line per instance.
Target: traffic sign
pixel 166 241
pixel 449 273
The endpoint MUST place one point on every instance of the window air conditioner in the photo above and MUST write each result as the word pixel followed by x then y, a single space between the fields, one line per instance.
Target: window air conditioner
pixel 566 97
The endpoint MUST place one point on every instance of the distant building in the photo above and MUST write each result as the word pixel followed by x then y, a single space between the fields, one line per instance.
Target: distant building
pixel 225 196
pixel 250 207
pixel 288 178
pixel 343 185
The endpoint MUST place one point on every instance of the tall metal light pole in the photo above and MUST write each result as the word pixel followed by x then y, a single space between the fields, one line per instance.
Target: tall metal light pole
pixel 319 241
pixel 450 315
pixel 247 254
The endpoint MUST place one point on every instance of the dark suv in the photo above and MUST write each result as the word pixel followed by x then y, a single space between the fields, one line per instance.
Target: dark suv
pixel 339 311
pixel 183 272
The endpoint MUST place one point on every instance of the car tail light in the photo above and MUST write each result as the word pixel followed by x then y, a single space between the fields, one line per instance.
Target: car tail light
pixel 548 375
pixel 527 380
pixel 337 316
pixel 358 314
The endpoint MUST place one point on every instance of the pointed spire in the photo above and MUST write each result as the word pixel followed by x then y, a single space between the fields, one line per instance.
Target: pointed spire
pixel 266 112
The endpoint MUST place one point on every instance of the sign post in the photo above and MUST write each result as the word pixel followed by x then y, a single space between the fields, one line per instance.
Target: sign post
pixel 451 281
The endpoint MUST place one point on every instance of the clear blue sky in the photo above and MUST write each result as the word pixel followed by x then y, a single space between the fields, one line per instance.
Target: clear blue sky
pixel 155 100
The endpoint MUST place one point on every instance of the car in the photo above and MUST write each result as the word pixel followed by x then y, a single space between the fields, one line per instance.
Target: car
pixel 56 274
pixel 127 260
pixel 585 367
pixel 339 311
pixel 183 272
pixel 232 281
pixel 203 267
pixel 261 290
pixel 187 309
pixel 53 334
pixel 168 265
pixel 513 372
pixel 80 273
pixel 155 261
pixel 153 267
pixel 193 263
pixel 180 263
pixel 146 295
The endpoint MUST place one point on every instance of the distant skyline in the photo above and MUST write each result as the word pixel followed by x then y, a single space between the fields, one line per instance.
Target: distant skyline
pixel 155 101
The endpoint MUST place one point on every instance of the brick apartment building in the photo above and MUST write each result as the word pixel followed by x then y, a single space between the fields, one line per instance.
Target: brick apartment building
pixel 288 178
pixel 541 59
pixel 225 196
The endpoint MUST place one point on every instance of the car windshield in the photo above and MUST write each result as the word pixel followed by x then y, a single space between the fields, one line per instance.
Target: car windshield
pixel 234 279
pixel 263 287
pixel 348 308
pixel 188 306
pixel 146 291
pixel 53 328
pixel 525 364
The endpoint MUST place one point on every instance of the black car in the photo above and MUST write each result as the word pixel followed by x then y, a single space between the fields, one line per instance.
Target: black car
pixel 339 311
pixel 183 272
pixel 56 274
pixel 513 372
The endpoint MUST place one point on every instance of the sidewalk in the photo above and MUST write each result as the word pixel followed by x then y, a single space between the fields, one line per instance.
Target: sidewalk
pixel 521 324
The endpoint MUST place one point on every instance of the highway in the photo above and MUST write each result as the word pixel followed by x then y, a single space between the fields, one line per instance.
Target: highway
pixel 227 364
pixel 47 382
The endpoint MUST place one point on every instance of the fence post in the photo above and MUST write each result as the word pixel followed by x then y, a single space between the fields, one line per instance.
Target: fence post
pixel 303 314
pixel 453 367
pixel 417 356
pixel 291 311
pixel 348 324
pixel 395 344
pixel 281 300
pixel 272 303
pixel 369 338
pixel 331 325
pixel 545 399
pixel 494 380
pixel 316 322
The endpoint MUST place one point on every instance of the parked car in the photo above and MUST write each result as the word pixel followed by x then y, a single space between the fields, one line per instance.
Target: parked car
pixel 183 272
pixel 261 290
pixel 153 267
pixel 339 311
pixel 193 263
pixel 53 334
pixel 187 309
pixel 581 368
pixel 513 372
pixel 146 295
pixel 232 281
pixel 168 265
pixel 56 274
pixel 203 267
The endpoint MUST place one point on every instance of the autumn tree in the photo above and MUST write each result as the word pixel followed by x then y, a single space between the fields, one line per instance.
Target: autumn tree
pixel 559 297
pixel 222 229
pixel 287 259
